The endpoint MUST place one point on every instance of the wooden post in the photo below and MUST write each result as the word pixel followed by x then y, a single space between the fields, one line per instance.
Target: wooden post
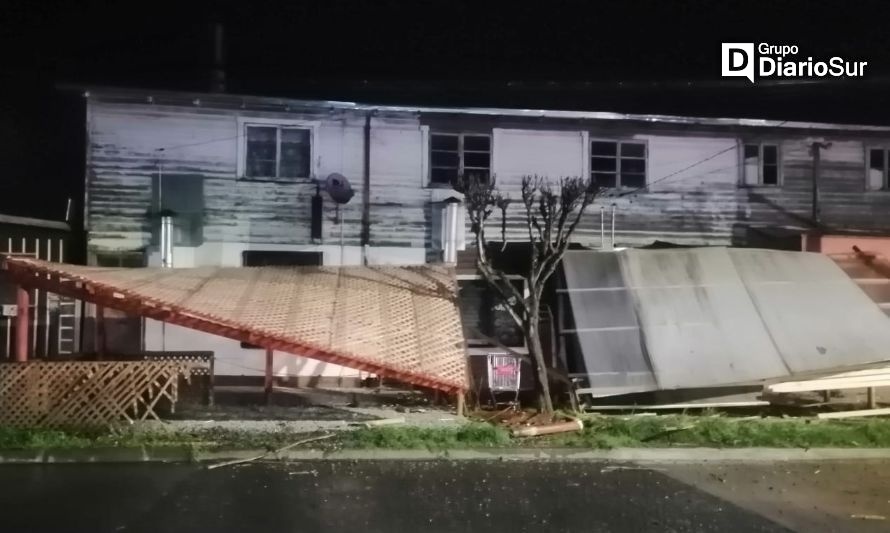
pixel 872 401
pixel 100 332
pixel 268 381
pixel 22 323
pixel 460 403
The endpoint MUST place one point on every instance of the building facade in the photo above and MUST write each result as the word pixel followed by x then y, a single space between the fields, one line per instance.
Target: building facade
pixel 240 175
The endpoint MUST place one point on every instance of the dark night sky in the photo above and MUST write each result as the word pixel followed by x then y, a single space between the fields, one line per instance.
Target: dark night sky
pixel 659 57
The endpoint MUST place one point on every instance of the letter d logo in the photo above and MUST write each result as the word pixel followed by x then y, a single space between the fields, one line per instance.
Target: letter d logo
pixel 738 60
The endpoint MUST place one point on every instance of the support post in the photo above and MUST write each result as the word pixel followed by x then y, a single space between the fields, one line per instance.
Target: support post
pixel 268 381
pixel 872 401
pixel 22 323
pixel 460 404
pixel 100 332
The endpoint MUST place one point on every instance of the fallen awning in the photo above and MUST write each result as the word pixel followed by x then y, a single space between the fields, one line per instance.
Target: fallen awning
pixel 397 322
pixel 703 317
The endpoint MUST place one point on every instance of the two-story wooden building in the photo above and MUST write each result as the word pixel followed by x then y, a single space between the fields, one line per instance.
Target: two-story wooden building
pixel 239 173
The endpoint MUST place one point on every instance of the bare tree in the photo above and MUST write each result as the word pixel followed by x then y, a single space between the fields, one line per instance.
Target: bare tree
pixel 551 217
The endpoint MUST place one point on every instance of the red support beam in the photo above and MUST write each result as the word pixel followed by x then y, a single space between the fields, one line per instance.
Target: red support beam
pixel 100 332
pixel 267 384
pixel 22 323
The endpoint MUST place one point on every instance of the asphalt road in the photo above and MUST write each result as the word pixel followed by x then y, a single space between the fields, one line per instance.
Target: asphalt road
pixel 381 496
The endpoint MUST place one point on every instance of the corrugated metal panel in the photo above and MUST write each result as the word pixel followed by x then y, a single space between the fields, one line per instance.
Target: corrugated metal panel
pixel 606 326
pixel 716 316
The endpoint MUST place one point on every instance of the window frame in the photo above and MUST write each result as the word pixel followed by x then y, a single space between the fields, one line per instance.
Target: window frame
pixel 618 142
pixel 780 174
pixel 279 123
pixel 429 183
pixel 885 185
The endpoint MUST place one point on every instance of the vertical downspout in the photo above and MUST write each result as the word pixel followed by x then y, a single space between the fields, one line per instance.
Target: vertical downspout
pixel 366 193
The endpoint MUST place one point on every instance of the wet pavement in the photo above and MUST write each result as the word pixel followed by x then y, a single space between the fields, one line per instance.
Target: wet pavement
pixel 387 496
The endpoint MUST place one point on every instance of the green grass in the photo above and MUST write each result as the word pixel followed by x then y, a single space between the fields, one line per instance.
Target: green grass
pixel 722 432
pixel 601 432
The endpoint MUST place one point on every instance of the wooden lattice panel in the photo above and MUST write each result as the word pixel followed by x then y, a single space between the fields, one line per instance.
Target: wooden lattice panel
pixel 86 393
pixel 398 322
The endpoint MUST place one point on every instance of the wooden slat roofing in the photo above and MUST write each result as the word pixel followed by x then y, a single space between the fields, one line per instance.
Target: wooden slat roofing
pixel 396 322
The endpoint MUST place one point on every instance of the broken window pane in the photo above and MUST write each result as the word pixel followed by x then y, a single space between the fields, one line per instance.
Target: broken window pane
pixel 294 153
pixel 261 151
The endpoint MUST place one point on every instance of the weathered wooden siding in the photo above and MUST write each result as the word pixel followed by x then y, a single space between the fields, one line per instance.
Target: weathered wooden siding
pixel 694 195
pixel 130 145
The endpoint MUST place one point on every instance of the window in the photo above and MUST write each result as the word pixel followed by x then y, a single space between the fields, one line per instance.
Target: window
pixel 618 163
pixel 877 172
pixel 761 164
pixel 277 152
pixel 482 311
pixel 452 154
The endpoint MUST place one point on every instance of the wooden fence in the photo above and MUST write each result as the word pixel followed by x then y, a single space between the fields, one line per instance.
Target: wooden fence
pixel 87 393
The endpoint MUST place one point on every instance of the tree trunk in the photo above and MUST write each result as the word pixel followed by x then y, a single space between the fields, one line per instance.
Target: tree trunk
pixel 533 340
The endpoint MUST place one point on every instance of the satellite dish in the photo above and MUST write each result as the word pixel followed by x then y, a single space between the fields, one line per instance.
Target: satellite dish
pixel 338 188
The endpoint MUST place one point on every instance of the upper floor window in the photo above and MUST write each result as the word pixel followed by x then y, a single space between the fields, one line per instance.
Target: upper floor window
pixel 618 163
pixel 761 164
pixel 277 152
pixel 452 154
pixel 877 177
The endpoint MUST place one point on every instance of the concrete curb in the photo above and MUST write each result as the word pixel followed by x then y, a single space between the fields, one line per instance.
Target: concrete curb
pixel 635 455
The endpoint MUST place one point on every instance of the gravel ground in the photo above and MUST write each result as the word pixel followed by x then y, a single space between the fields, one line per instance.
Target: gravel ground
pixel 304 410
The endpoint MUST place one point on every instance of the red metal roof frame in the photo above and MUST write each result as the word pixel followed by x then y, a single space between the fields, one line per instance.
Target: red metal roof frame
pixel 44 277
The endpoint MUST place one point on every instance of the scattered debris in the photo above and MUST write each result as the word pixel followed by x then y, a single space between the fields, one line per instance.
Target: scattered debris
pixel 868 516
pixel 273 452
pixel 384 422
pixel 851 414
pixel 548 429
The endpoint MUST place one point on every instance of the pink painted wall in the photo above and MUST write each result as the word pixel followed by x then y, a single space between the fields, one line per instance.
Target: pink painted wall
pixel 843 244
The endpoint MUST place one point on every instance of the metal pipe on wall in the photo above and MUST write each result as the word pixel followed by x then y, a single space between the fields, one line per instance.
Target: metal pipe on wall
pixel 602 227
pixel 613 225
pixel 23 308
pixel 167 241
pixel 366 192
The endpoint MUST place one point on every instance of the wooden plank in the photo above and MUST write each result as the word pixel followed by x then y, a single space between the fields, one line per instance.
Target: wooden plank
pixel 692 405
pixel 817 385
pixel 853 414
